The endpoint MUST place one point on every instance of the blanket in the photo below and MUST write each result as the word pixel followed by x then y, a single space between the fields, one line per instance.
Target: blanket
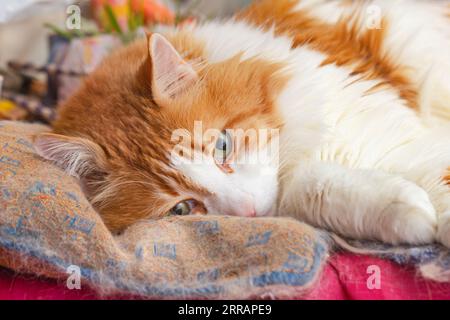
pixel 432 261
pixel 48 228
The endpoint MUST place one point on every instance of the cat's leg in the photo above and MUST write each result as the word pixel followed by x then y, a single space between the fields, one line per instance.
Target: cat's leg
pixel 425 162
pixel 440 197
pixel 362 204
pixel 439 194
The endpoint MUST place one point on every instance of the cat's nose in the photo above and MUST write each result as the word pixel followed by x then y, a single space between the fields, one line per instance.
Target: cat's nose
pixel 251 213
pixel 246 213
pixel 247 209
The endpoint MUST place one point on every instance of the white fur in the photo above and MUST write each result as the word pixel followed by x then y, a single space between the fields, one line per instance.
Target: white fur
pixel 364 165
pixel 251 189
pixel 360 202
pixel 417 37
pixel 74 156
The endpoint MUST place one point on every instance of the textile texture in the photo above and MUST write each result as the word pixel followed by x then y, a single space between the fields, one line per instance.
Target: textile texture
pixel 46 226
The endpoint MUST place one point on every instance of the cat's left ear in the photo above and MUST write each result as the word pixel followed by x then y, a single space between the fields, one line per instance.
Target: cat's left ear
pixel 77 156
pixel 171 75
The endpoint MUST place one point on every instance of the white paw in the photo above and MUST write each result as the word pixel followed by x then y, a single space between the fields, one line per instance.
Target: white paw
pixel 410 218
pixel 443 233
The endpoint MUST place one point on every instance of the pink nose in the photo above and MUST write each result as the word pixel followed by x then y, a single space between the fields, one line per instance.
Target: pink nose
pixel 242 206
pixel 250 213
pixel 246 210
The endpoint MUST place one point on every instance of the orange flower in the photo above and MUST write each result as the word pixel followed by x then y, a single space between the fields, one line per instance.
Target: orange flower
pixel 120 9
pixel 154 11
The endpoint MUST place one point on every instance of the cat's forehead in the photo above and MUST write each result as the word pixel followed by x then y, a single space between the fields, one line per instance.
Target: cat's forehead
pixel 230 93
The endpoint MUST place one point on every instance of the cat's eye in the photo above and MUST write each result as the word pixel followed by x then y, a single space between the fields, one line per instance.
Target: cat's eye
pixel 183 208
pixel 223 147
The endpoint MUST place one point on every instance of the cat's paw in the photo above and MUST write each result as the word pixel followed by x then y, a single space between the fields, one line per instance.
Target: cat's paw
pixel 410 218
pixel 443 233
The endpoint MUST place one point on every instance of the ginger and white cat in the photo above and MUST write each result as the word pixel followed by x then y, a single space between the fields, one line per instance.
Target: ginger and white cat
pixel 360 93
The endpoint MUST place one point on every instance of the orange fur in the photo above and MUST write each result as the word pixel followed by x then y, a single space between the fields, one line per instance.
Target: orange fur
pixel 115 109
pixel 343 43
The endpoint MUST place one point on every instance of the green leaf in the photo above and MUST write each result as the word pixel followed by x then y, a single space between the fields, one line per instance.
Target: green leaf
pixel 140 19
pixel 113 19
pixel 59 31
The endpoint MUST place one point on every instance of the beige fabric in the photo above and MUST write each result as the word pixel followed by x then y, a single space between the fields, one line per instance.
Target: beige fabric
pixel 46 225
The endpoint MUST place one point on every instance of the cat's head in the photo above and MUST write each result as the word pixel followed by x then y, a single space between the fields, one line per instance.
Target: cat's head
pixel 151 134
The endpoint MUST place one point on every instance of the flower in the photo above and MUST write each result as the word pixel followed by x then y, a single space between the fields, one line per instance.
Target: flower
pixel 154 11
pixel 119 8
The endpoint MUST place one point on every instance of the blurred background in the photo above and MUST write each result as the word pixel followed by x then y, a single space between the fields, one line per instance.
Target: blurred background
pixel 48 46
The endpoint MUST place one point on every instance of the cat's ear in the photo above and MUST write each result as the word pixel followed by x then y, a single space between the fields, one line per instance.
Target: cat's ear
pixel 77 156
pixel 171 75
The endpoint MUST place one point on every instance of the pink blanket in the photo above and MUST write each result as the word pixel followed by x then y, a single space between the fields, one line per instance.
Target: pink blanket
pixel 344 277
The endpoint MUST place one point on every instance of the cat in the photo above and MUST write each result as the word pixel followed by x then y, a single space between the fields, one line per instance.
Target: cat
pixel 353 96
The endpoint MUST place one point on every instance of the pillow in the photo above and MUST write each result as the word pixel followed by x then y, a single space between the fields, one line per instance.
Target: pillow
pixel 48 228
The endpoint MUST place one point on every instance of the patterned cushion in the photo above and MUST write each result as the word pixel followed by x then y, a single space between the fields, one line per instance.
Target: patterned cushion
pixel 48 228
